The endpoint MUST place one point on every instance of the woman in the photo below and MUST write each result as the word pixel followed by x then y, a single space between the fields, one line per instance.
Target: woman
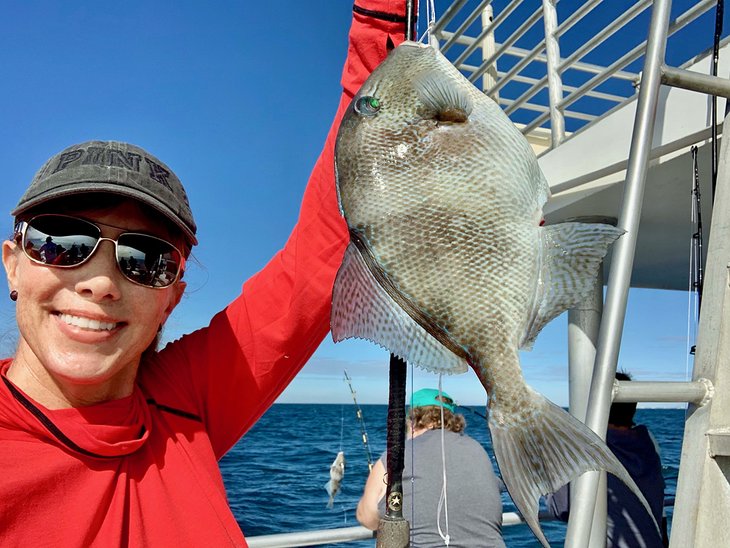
pixel 439 458
pixel 105 440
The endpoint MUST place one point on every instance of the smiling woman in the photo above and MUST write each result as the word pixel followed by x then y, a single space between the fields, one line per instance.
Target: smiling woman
pixel 90 409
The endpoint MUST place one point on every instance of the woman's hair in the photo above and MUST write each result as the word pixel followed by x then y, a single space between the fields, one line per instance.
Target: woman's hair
pixel 430 417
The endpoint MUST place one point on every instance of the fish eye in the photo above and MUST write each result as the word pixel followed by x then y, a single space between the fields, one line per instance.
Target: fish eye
pixel 367 105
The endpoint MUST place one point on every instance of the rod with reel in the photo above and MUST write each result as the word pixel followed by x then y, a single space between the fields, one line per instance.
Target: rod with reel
pixel 393 528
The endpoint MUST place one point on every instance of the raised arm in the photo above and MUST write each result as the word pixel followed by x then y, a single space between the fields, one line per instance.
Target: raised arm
pixel 253 349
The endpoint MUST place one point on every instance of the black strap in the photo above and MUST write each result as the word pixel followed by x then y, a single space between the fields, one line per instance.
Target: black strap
pixel 64 439
pixel 48 423
pixel 173 411
pixel 390 17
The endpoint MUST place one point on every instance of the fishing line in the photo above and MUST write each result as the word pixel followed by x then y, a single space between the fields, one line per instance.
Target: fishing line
pixel 361 421
pixel 431 18
pixel 443 499
pixel 342 424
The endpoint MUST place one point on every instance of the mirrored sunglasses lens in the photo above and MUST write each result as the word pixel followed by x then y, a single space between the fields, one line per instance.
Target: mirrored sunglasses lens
pixel 60 241
pixel 147 260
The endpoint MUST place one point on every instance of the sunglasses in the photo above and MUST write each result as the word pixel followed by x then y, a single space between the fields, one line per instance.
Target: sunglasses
pixel 60 241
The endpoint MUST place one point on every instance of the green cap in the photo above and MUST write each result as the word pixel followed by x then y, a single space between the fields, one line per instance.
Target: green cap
pixel 430 396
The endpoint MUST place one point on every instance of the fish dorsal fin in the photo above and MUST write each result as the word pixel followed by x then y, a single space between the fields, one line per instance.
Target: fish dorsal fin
pixel 570 255
pixel 450 103
pixel 361 308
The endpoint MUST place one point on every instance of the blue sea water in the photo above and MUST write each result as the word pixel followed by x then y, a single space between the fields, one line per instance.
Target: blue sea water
pixel 275 475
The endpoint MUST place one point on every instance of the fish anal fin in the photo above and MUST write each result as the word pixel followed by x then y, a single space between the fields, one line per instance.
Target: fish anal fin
pixel 361 308
pixel 543 450
pixel 570 255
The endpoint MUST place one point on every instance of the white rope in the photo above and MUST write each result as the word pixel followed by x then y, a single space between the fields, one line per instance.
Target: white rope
pixel 443 499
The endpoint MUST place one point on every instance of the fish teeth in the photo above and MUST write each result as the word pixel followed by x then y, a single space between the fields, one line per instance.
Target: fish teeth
pixel 86 323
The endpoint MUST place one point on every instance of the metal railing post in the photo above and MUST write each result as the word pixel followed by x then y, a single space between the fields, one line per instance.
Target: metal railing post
pixel 609 339
pixel 555 82
pixel 584 322
pixel 489 79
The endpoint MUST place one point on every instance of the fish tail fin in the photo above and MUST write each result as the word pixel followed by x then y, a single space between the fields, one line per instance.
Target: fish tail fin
pixel 541 453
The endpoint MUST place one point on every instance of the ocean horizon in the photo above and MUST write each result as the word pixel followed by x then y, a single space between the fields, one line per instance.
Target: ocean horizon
pixel 276 473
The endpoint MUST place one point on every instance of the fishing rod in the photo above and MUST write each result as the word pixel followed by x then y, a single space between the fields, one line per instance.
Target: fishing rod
pixel 698 282
pixel 361 420
pixel 719 10
pixel 477 413
pixel 696 267
pixel 393 529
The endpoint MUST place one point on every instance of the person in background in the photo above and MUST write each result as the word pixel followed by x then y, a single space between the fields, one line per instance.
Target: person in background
pixel 104 439
pixel 628 524
pixel 473 501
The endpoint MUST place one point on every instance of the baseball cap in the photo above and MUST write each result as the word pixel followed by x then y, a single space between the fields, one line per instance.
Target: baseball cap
pixel 113 167
pixel 430 396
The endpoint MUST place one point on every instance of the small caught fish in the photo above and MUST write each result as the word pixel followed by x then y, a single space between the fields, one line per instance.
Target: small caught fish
pixel 337 472
pixel 448 265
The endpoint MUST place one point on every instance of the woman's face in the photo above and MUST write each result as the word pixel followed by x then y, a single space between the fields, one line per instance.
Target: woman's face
pixel 83 329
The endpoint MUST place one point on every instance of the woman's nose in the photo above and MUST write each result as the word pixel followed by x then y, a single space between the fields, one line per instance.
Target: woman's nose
pixel 99 278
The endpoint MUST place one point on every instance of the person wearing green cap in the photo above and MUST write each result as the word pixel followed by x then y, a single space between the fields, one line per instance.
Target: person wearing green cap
pixel 439 460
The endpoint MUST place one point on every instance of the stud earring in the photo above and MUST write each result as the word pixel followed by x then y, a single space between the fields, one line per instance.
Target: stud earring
pixel 13 295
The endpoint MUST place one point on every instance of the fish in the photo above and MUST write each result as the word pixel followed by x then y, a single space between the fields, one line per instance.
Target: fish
pixel 337 472
pixel 449 265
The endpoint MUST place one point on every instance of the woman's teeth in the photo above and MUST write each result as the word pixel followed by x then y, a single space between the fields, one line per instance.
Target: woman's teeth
pixel 86 323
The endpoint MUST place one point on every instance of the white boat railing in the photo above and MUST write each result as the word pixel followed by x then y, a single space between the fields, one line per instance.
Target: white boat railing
pixel 541 74
pixel 347 534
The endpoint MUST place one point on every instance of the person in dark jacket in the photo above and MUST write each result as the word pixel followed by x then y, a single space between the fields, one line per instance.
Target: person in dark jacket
pixel 628 524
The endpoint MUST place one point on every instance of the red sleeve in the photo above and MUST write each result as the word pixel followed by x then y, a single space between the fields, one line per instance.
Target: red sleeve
pixel 236 367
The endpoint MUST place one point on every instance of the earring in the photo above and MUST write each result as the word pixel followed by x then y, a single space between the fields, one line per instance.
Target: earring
pixel 13 295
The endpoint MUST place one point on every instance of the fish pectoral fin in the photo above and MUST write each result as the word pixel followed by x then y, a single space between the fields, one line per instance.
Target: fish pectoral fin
pixel 448 102
pixel 545 449
pixel 362 308
pixel 570 255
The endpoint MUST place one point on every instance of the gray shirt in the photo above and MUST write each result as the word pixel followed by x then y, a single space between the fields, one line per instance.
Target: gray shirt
pixel 474 502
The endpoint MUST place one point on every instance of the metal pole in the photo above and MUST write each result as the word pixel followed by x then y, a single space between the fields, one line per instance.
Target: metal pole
pixel 584 322
pixel 621 266
pixel 555 83
pixel 488 48
pixel 697 392
pixel 695 81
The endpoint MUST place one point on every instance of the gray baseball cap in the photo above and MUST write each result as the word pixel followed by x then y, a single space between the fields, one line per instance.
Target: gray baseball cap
pixel 117 168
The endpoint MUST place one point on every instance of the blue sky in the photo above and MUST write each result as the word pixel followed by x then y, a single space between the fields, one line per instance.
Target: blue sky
pixel 237 98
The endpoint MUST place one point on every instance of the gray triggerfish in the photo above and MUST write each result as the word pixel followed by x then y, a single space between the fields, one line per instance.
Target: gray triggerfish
pixel 448 266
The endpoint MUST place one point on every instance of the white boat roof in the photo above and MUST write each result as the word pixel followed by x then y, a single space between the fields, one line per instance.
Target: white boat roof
pixel 501 46
pixel 586 175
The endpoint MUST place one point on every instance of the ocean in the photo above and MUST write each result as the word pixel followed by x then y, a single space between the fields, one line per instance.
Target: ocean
pixel 275 475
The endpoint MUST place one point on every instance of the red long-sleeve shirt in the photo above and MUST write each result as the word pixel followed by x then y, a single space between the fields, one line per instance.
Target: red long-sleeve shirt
pixel 143 470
